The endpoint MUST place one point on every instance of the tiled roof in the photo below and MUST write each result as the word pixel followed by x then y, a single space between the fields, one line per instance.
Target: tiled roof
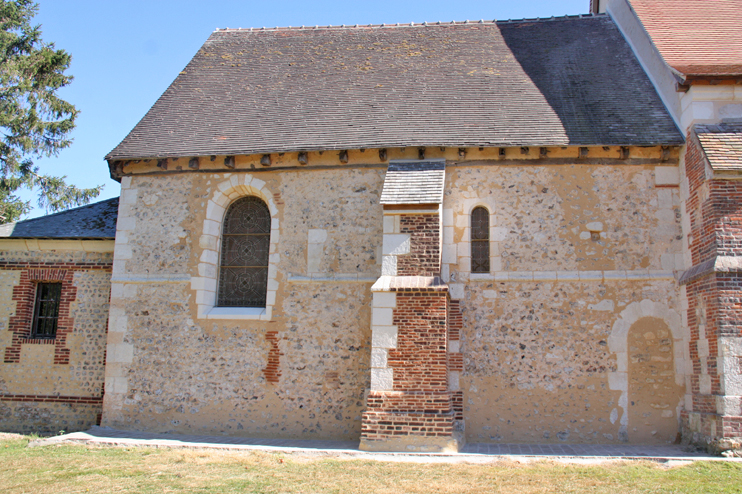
pixel 695 37
pixel 722 144
pixel 94 221
pixel 414 183
pixel 563 81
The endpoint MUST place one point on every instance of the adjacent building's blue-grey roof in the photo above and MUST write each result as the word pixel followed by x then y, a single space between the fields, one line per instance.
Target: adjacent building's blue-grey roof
pixel 556 82
pixel 94 221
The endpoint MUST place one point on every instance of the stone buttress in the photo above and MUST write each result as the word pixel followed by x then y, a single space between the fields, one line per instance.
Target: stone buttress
pixel 413 403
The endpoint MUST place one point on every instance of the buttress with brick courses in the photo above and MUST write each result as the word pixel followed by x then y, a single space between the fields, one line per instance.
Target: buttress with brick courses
pixel 413 236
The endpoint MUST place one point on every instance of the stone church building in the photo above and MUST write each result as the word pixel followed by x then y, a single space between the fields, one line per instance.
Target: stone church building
pixel 414 236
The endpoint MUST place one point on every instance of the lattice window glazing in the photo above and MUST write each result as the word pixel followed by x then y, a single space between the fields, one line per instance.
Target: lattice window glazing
pixel 243 273
pixel 480 240
pixel 46 310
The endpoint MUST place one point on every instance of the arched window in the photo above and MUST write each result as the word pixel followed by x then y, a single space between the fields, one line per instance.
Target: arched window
pixel 480 240
pixel 243 270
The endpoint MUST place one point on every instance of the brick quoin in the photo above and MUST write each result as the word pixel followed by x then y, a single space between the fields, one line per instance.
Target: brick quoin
pixel 714 207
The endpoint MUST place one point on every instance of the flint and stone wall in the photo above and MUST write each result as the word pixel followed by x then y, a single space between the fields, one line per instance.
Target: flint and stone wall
pixel 53 385
pixel 583 266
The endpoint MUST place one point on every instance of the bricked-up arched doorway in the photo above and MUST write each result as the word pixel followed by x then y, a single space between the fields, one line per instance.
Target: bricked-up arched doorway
pixel 653 392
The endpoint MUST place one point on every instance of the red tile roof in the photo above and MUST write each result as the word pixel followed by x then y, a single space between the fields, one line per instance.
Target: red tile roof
pixel 695 37
pixel 722 144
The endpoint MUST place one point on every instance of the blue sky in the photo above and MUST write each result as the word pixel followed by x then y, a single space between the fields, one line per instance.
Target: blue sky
pixel 125 53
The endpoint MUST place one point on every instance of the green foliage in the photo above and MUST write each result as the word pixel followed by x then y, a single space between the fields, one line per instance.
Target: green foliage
pixel 34 121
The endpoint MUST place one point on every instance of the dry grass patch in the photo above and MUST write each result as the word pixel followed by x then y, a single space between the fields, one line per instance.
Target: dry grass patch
pixel 71 468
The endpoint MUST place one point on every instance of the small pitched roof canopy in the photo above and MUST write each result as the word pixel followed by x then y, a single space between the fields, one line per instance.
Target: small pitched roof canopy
pixel 695 37
pixel 414 183
pixel 722 144
pixel 94 221
pixel 562 81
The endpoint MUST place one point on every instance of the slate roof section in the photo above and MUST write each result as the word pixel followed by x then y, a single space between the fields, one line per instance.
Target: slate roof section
pixel 414 183
pixel 563 81
pixel 94 221
pixel 695 37
pixel 722 144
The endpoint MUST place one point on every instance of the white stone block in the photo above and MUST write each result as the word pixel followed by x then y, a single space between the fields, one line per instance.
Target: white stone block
pixel 316 236
pixel 214 212
pixel 454 346
pixel 275 224
pixel 205 297
pixel 382 379
pixel 702 110
pixel 595 226
pixel 729 406
pixel 197 283
pixel 385 299
pixel 212 228
pixel 389 266
pixel 379 358
pixel 713 93
pixel 126 223
pixel 453 381
pixel 130 291
pixel 384 336
pixel 270 298
pixel 449 254
pixel 702 346
pixel 125 183
pixel 496 264
pixel 666 175
pixel 396 244
pixel 210 257
pixel 448 237
pixel 704 384
pixel 447 217
pixel 207 270
pixel 382 316
pixel 463 249
pixel 618 381
pixel 591 275
pixel 314 257
pixel 585 235
pixel 224 186
pixel 257 183
pixel 388 224
pixel 667 261
pixel 456 291
pixel 122 251
pixel 129 196
pixel 208 242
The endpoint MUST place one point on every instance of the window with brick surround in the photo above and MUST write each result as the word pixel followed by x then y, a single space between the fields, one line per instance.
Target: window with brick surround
pixel 480 240
pixel 46 310
pixel 243 268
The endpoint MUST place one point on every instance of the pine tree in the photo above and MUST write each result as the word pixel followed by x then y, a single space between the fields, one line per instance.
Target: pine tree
pixel 34 121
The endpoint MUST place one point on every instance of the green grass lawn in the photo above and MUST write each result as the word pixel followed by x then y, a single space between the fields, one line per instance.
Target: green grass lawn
pixel 72 468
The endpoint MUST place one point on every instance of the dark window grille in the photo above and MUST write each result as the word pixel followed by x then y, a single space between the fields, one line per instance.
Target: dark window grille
pixel 243 272
pixel 46 310
pixel 480 240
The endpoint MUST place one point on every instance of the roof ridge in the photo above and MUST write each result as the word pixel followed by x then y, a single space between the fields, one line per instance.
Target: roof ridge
pixel 411 24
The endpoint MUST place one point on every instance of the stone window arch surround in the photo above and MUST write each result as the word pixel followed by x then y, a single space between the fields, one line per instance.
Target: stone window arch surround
pixel 205 284
pixel 618 345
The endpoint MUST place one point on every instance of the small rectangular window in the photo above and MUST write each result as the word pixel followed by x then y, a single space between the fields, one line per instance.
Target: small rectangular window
pixel 46 310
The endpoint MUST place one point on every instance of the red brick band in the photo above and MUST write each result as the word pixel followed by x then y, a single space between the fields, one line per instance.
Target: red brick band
pixel 87 400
